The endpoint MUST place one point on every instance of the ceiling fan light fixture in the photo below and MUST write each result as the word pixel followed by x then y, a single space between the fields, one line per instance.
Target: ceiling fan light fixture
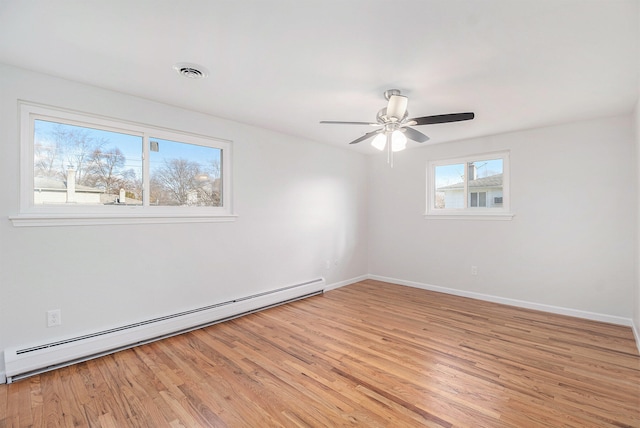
pixel 398 141
pixel 397 107
pixel 379 141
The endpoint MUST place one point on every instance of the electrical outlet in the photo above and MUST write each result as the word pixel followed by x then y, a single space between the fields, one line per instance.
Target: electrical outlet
pixel 474 270
pixel 327 264
pixel 54 317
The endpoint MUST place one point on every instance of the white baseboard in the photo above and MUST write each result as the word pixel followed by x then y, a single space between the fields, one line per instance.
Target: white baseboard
pixel 512 302
pixel 636 334
pixel 346 282
pixel 611 319
pixel 27 359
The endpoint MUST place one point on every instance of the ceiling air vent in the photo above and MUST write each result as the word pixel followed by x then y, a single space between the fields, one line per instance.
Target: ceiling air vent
pixel 191 71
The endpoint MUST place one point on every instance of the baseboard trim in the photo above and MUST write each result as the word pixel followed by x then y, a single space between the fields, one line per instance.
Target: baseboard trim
pixel 3 378
pixel 33 358
pixel 636 335
pixel 611 319
pixel 344 283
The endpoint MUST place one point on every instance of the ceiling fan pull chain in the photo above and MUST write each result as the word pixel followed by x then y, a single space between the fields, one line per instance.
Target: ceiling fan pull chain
pixel 389 151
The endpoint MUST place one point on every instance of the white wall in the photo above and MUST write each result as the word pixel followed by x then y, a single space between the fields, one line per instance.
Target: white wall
pixel 636 299
pixel 570 245
pixel 299 204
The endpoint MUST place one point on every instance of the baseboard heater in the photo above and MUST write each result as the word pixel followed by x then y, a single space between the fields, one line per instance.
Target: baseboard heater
pixel 28 361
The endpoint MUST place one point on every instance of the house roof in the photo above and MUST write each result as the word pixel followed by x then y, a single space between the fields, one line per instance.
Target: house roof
pixel 285 65
pixel 58 185
pixel 485 182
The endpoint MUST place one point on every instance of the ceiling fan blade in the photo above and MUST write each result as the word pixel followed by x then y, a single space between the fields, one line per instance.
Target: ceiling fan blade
pixel 415 135
pixel 367 135
pixel 442 118
pixel 337 122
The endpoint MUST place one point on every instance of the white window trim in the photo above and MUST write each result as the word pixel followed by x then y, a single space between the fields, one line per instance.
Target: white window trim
pixel 470 213
pixel 52 215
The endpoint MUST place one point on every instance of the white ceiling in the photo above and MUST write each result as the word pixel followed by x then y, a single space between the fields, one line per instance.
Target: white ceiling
pixel 285 65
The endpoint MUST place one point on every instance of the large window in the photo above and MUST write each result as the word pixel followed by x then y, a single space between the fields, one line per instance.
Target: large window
pixel 471 186
pixel 81 169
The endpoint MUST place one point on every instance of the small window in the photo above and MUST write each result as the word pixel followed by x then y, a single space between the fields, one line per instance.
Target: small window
pixel 477 185
pixel 478 199
pixel 75 166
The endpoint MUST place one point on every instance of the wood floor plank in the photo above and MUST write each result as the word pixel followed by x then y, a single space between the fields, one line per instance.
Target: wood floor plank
pixel 203 380
pixel 370 354
pixel 19 409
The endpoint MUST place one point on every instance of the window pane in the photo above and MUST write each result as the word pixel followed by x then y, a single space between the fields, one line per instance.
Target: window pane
pixel 485 183
pixel 482 199
pixel 184 174
pixel 85 166
pixel 449 182
pixel 473 201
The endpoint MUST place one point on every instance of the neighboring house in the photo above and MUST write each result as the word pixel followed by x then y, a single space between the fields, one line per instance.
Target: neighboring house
pixel 483 192
pixel 207 194
pixel 50 190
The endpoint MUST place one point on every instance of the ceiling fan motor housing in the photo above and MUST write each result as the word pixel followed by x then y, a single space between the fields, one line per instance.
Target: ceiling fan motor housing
pixel 391 92
pixel 383 118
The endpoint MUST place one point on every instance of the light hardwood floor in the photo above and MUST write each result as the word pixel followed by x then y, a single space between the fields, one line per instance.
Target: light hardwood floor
pixel 369 354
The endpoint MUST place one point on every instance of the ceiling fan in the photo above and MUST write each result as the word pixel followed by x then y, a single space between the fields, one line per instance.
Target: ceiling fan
pixel 395 125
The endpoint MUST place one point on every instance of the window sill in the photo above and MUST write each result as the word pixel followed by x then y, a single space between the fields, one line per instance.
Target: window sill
pixel 470 216
pixel 39 220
